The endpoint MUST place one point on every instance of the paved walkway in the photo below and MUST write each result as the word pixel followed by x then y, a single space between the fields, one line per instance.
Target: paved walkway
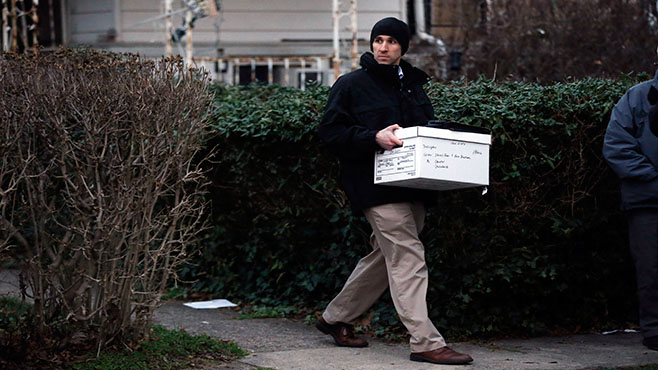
pixel 286 344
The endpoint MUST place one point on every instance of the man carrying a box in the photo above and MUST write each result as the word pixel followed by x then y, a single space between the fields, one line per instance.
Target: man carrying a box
pixel 364 109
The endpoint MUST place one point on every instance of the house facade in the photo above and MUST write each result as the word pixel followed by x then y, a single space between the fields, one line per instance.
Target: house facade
pixel 284 41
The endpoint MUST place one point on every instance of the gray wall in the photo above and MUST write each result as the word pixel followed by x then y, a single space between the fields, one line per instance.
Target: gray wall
pixel 247 27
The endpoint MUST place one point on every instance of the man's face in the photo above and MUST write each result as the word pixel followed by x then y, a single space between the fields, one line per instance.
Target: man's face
pixel 387 50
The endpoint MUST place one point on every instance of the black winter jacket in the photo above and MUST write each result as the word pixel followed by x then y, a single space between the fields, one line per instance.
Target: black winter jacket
pixel 631 148
pixel 360 104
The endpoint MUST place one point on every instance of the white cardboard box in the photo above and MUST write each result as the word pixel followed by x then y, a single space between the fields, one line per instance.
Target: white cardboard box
pixel 437 159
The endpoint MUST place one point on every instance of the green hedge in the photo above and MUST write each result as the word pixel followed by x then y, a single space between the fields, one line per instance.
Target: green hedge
pixel 544 248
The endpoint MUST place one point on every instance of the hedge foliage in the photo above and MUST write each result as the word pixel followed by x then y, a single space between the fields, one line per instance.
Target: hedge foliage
pixel 544 248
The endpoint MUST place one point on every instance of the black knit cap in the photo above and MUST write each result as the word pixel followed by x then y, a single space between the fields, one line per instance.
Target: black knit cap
pixel 392 27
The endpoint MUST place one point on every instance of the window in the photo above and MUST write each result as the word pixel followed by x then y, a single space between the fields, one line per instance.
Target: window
pixel 248 76
pixel 49 28
pixel 309 76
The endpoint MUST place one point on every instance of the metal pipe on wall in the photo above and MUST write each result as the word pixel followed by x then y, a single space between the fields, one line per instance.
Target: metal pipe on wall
pixel 4 25
pixel 169 27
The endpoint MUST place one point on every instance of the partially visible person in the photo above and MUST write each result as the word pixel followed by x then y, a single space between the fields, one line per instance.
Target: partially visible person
pixel 631 149
pixel 364 109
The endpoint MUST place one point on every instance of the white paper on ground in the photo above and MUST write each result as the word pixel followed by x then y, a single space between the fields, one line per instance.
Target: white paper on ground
pixel 215 303
pixel 620 331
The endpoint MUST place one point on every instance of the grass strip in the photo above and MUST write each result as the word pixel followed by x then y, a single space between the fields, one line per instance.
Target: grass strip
pixel 167 349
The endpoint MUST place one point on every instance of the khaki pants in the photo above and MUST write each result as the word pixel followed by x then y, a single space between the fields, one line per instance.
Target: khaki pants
pixel 398 262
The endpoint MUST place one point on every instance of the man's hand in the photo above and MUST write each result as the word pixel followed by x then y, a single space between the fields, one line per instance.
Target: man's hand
pixel 387 139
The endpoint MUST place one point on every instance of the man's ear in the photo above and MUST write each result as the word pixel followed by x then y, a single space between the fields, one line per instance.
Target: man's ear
pixel 653 95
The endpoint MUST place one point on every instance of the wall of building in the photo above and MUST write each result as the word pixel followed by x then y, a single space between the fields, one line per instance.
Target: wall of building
pixel 90 21
pixel 244 28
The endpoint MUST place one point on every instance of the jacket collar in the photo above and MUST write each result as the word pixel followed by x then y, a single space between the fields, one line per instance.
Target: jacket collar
pixel 389 72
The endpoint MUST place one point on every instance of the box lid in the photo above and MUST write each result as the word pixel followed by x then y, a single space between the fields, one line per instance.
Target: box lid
pixel 456 126
pixel 439 133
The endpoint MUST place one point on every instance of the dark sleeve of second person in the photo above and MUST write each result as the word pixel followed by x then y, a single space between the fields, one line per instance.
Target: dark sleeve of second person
pixel 622 149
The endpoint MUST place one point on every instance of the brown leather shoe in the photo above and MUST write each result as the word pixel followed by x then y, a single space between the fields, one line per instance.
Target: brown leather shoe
pixel 443 356
pixel 343 334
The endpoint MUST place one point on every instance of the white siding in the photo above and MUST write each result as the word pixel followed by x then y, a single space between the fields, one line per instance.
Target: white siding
pixel 91 6
pixel 255 21
pixel 289 28
pixel 90 20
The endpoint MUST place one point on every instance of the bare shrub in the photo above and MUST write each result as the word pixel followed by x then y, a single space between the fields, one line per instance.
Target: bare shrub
pixel 552 40
pixel 100 190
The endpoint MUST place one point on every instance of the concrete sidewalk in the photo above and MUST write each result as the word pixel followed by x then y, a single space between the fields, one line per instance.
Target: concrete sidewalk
pixel 287 344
